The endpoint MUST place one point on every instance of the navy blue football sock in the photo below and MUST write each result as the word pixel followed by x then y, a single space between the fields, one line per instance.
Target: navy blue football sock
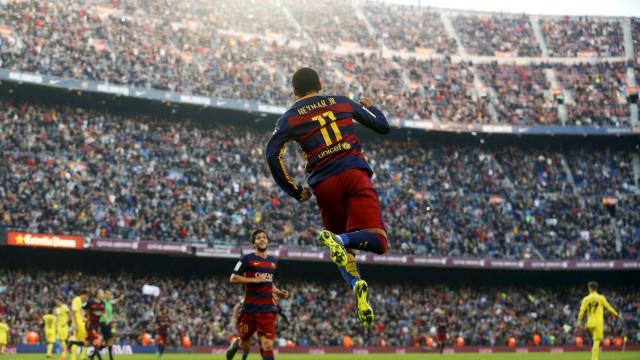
pixel 267 355
pixel 365 240
pixel 350 279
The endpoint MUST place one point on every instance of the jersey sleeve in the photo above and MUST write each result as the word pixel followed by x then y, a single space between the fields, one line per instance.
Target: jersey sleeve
pixel 605 304
pixel 583 307
pixel 276 148
pixel 372 118
pixel 241 267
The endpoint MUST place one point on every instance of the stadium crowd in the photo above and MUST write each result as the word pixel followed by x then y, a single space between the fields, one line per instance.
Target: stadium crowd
pixel 422 29
pixel 492 35
pixel 172 47
pixel 201 309
pixel 100 174
pixel 571 37
pixel 598 93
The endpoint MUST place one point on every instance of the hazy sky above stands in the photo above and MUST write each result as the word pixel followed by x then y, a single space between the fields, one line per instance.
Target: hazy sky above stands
pixel 543 7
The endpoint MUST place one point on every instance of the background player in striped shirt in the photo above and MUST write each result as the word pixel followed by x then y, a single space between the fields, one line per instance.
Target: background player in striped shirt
pixel 594 305
pixel 163 322
pixel 94 309
pixel 256 272
pixel 339 175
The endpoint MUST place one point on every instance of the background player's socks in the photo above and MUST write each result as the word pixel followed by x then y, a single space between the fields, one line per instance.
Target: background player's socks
pixel 110 352
pixel 595 350
pixel 365 240
pixel 83 353
pixel 267 355
pixel 74 351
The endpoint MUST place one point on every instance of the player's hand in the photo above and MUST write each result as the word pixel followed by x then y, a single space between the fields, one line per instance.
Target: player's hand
pixel 366 102
pixel 305 194
pixel 284 294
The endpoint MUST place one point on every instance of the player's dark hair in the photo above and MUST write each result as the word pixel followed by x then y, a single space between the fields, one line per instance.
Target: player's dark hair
pixel 593 285
pixel 255 233
pixel 304 81
pixel 83 292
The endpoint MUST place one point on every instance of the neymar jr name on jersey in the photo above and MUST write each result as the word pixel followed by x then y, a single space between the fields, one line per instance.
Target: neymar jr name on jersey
pixel 319 105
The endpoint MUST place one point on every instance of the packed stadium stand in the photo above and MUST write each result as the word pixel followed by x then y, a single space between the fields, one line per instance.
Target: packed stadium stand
pixel 458 179
pixel 94 173
pixel 415 72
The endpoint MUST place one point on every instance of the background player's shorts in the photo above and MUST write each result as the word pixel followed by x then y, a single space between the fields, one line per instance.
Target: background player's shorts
pixel 162 340
pixel 264 323
pixel 105 329
pixel 348 202
pixel 50 336
pixel 93 333
pixel 596 332
pixel 62 333
pixel 441 337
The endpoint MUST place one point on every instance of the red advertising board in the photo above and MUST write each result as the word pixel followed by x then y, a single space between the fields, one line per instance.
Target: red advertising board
pixel 44 240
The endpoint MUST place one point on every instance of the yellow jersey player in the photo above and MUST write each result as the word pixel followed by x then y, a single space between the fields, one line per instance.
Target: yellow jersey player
pixel 594 304
pixel 49 321
pixel 79 325
pixel 4 336
pixel 62 323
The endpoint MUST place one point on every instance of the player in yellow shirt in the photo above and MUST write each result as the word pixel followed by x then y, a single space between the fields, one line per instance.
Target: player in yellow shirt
pixel 4 336
pixel 79 325
pixel 594 304
pixel 49 321
pixel 62 313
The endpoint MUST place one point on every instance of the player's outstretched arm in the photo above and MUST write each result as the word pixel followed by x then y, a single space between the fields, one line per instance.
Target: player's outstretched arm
pixel 368 115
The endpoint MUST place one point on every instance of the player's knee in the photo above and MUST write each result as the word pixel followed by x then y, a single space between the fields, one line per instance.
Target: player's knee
pixel 384 246
pixel 267 344
pixel 245 344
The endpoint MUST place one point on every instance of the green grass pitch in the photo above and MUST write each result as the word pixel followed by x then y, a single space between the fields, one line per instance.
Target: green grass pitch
pixel 509 356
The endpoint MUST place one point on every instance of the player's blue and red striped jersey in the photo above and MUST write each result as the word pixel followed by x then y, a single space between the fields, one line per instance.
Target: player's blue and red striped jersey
pixel 442 323
pixel 94 309
pixel 258 298
pixel 162 324
pixel 323 126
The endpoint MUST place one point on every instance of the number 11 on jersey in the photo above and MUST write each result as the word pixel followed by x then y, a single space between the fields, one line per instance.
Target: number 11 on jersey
pixel 323 123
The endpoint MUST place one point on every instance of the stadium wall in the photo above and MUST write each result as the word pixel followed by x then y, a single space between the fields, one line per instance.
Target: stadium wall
pixel 136 349
pixel 89 261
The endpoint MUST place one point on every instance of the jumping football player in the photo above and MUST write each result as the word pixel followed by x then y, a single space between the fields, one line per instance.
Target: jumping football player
pixel 339 175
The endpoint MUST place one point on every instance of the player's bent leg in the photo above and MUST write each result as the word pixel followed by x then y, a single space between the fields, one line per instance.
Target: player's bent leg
pixel 336 250
pixel 365 312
